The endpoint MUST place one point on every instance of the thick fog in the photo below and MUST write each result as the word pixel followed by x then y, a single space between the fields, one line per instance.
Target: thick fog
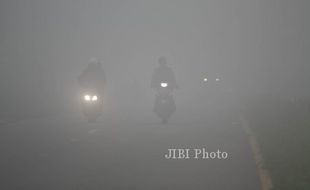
pixel 242 72
pixel 253 46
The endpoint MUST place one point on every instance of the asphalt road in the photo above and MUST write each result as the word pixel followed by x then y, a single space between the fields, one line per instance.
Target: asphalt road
pixel 124 152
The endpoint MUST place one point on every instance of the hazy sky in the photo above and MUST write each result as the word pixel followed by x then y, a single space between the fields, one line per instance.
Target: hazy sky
pixel 255 45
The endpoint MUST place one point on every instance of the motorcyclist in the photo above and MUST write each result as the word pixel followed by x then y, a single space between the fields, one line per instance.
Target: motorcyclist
pixel 163 73
pixel 93 76
pixel 164 104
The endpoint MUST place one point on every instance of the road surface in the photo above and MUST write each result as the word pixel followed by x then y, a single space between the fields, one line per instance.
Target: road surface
pixel 124 152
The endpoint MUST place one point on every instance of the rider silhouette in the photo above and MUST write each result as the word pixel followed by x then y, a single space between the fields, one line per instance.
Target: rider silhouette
pixel 163 73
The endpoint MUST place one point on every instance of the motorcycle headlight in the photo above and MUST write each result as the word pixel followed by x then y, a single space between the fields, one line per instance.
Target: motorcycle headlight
pixel 87 98
pixel 163 84
pixel 94 98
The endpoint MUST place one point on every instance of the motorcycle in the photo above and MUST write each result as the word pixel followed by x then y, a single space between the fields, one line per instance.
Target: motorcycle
pixel 91 104
pixel 164 105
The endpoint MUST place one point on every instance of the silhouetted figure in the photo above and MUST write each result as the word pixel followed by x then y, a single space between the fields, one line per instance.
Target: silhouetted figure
pixel 163 73
pixel 92 82
pixel 93 76
pixel 163 81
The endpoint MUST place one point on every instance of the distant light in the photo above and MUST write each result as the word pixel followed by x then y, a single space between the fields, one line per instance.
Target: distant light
pixel 163 84
pixel 94 98
pixel 217 79
pixel 205 79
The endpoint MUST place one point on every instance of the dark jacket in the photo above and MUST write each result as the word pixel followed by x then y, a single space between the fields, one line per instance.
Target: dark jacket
pixel 92 77
pixel 163 74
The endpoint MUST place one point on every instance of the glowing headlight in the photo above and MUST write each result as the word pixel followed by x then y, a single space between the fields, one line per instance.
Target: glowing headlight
pixel 94 98
pixel 205 79
pixel 87 97
pixel 163 84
